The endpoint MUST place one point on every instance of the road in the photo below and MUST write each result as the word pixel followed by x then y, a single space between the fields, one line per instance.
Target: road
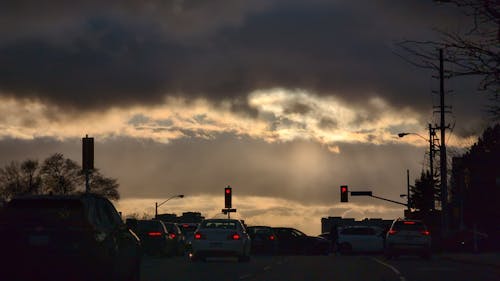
pixel 309 268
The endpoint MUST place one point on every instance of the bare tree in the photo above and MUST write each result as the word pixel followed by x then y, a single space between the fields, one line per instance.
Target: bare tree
pixel 31 176
pixel 107 187
pixel 10 180
pixel 57 175
pixel 60 175
pixel 472 52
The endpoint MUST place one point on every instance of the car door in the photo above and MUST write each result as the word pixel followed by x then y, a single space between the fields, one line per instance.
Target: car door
pixel 124 243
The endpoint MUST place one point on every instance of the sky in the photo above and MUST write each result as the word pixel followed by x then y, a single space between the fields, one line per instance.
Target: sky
pixel 282 100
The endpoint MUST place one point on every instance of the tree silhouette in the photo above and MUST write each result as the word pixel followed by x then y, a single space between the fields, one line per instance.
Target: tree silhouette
pixel 474 51
pixel 60 175
pixel 57 175
pixel 475 183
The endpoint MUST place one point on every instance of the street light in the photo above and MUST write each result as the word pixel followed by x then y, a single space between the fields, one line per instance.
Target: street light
pixel 158 205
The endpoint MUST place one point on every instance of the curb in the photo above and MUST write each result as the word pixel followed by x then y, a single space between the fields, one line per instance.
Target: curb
pixel 473 262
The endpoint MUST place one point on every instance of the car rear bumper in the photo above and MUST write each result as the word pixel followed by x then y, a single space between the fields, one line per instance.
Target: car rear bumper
pixel 218 248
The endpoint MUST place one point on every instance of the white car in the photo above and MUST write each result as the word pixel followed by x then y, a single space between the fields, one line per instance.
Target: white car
pixel 221 238
pixel 361 239
pixel 408 236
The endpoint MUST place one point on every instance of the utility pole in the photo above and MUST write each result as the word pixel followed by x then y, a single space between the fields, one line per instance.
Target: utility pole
pixel 408 190
pixel 442 150
pixel 432 133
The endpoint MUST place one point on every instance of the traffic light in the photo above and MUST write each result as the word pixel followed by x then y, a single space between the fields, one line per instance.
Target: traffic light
pixel 228 196
pixel 344 193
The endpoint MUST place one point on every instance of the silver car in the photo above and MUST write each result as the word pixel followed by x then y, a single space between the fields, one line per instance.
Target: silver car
pixel 221 238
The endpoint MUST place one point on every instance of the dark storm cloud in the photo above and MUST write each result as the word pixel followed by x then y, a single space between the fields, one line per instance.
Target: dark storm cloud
pixel 90 54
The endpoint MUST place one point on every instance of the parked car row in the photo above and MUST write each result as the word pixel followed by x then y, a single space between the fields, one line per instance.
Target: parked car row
pixel 229 237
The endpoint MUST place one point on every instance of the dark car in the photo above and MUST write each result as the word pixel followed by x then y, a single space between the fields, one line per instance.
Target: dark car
pixel 264 240
pixel 188 229
pixel 79 237
pixel 155 237
pixel 177 235
pixel 293 241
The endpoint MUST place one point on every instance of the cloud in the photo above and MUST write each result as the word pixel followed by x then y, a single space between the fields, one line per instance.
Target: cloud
pixel 91 55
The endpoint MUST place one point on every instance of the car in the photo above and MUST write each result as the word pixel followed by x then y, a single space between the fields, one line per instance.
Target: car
pixel 221 238
pixel 156 239
pixel 293 241
pixel 408 237
pixel 188 229
pixel 177 235
pixel 67 237
pixel 264 240
pixel 361 239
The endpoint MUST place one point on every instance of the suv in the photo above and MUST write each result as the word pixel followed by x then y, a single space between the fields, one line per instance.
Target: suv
pixel 408 237
pixel 67 237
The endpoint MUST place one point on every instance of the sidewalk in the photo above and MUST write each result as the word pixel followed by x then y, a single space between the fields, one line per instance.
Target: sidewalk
pixel 489 259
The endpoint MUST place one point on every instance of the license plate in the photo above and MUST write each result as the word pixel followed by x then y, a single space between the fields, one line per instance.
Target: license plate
pixel 38 240
pixel 215 245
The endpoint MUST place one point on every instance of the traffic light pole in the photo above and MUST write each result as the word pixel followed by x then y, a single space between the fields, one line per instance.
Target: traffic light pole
pixel 369 193
pixel 389 200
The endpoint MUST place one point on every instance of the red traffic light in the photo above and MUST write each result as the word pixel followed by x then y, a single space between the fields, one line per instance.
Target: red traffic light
pixel 344 193
pixel 228 197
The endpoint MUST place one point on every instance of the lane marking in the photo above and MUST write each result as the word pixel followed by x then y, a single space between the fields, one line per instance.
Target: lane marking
pixel 395 270
pixel 242 277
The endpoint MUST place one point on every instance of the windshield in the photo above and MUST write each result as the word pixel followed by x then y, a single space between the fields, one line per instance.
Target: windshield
pixel 220 224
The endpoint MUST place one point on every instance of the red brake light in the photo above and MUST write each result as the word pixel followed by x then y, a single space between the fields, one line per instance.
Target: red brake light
pixel 392 232
pixel 185 225
pixel 426 232
pixel 408 222
pixel 235 236
pixel 154 234
pixel 271 237
pixel 172 235
pixel 197 236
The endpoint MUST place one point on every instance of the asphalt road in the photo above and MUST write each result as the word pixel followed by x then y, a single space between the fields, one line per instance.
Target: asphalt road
pixel 310 268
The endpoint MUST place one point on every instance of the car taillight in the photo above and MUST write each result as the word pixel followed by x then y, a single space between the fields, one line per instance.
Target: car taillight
pixel 409 222
pixel 426 233
pixel 172 235
pixel 271 237
pixel 392 232
pixel 198 236
pixel 235 236
pixel 154 233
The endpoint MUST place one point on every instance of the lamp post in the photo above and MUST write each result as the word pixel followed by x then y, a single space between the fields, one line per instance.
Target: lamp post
pixel 431 139
pixel 158 205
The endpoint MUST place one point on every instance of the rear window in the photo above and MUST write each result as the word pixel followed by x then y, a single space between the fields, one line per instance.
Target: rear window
pixel 188 228
pixel 147 226
pixel 220 224
pixel 408 226
pixel 259 230
pixel 47 211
